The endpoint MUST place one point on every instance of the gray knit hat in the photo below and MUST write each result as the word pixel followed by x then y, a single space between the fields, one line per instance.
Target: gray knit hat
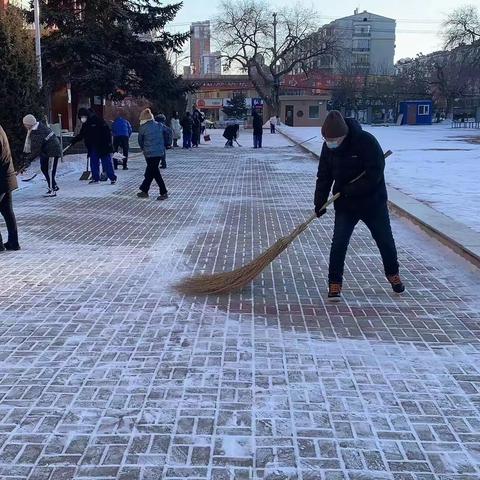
pixel 29 120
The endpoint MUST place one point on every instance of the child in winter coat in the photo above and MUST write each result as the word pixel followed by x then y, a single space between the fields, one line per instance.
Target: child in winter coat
pixel 176 129
pixel 121 131
pixel 42 142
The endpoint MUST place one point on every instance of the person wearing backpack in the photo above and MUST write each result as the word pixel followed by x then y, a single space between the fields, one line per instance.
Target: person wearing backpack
pixel 42 142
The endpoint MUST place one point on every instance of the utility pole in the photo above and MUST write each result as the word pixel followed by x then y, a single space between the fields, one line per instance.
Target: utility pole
pixel 275 39
pixel 38 47
pixel 275 80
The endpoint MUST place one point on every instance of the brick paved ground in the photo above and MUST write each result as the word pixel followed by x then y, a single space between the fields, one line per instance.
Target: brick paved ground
pixel 106 373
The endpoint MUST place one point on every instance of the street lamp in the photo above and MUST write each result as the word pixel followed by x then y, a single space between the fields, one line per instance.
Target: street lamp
pixel 38 48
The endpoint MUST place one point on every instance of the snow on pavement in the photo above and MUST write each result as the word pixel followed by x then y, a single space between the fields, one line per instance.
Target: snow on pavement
pixel 435 164
pixel 107 373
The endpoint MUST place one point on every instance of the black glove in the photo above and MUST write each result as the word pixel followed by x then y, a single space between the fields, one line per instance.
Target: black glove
pixel 319 212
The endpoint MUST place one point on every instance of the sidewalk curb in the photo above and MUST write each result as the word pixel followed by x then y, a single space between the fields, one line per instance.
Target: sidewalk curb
pixel 456 236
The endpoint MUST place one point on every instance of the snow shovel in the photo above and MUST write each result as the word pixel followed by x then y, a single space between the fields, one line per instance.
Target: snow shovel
pixel 86 174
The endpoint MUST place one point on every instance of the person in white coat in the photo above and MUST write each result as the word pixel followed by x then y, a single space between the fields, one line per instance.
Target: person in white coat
pixel 176 129
pixel 273 123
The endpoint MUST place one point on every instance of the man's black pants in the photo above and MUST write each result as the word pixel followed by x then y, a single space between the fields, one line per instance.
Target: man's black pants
pixel 378 222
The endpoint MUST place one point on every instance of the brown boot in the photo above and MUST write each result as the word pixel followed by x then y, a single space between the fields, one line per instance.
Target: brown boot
pixel 396 283
pixel 334 292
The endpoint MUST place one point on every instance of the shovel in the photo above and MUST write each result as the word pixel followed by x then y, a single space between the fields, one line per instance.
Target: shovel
pixel 86 174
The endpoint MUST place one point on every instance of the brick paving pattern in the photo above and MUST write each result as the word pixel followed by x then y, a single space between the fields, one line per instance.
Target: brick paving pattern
pixel 106 373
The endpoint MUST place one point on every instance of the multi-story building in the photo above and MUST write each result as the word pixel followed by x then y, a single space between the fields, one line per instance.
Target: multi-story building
pixel 366 45
pixel 199 45
pixel 211 63
pixel 367 41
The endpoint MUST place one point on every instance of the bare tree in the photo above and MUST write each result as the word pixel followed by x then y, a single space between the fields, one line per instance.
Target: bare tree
pixel 452 76
pixel 462 27
pixel 268 45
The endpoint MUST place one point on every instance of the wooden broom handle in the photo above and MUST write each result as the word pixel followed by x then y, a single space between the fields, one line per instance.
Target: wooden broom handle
pixel 337 195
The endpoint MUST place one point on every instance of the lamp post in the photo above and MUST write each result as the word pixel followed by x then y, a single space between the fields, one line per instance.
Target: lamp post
pixel 38 47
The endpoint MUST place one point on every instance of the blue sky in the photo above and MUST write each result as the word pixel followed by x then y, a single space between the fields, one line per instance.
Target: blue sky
pixel 418 21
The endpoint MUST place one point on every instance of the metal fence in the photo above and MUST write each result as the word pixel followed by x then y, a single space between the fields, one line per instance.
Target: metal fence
pixel 458 124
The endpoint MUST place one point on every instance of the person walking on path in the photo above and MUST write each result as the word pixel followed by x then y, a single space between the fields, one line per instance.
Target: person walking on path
pixel 273 123
pixel 98 139
pixel 42 142
pixel 187 126
pixel 8 183
pixel 167 137
pixel 347 152
pixel 176 129
pixel 121 131
pixel 196 127
pixel 257 130
pixel 152 143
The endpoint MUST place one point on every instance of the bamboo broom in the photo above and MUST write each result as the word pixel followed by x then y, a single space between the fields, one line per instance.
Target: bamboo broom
pixel 226 282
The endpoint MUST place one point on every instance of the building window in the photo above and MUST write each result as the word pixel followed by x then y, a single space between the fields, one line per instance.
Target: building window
pixel 361 59
pixel 313 111
pixel 362 30
pixel 361 44
pixel 424 109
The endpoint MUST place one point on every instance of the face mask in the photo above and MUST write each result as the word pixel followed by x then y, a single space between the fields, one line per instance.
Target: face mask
pixel 83 119
pixel 333 145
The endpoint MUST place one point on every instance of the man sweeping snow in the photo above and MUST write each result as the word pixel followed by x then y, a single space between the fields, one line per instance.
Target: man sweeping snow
pixel 346 153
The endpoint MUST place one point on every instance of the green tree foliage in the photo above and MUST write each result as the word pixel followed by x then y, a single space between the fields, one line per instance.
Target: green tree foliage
pixel 19 93
pixel 236 107
pixel 111 48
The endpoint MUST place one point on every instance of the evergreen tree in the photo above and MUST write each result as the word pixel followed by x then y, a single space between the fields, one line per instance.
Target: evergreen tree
pixel 18 79
pixel 236 107
pixel 109 47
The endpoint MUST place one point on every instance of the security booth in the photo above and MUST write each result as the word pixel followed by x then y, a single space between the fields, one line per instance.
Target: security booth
pixel 416 112
pixel 303 110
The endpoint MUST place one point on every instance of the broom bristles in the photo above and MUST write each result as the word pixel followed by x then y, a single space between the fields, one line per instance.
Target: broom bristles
pixel 226 282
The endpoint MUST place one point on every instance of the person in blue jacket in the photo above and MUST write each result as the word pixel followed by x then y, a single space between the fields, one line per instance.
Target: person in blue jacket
pixel 121 131
pixel 152 143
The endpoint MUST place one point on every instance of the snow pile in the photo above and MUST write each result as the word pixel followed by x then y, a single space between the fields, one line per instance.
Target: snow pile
pixel 435 164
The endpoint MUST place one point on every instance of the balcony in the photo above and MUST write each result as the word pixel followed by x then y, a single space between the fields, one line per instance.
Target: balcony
pixel 362 34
